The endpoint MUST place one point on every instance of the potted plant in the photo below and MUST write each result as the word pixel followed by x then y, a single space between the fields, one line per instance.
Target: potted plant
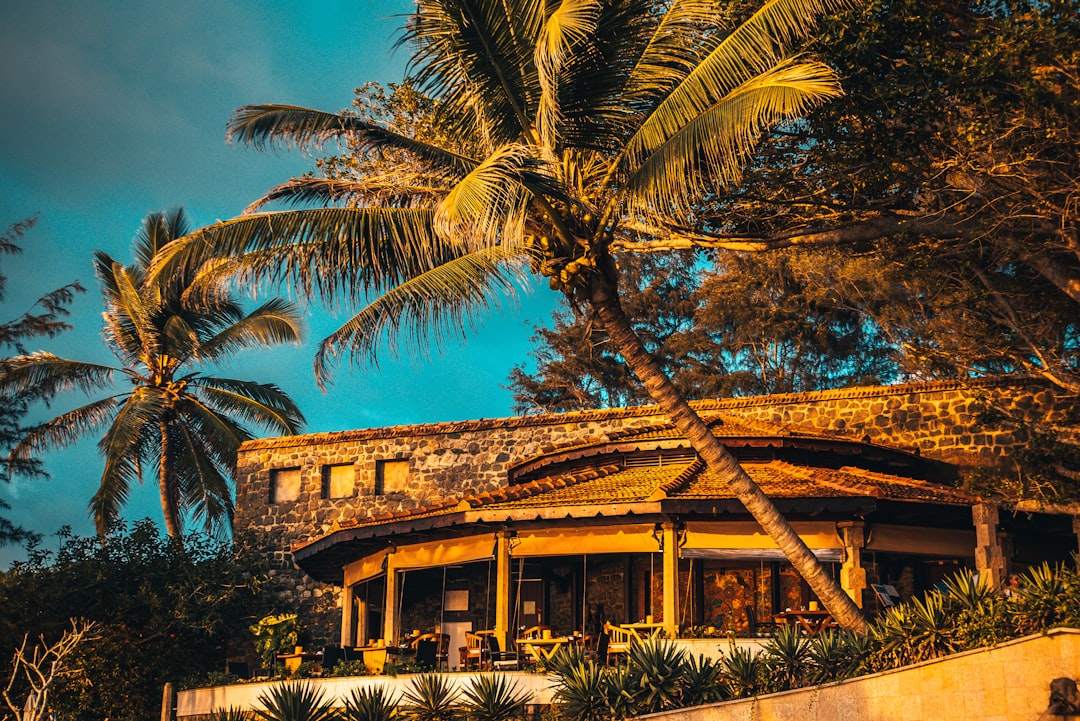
pixel 276 634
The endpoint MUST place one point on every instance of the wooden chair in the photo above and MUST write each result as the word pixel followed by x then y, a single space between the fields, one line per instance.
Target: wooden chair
pixel 758 628
pixel 473 653
pixel 427 653
pixel 619 641
pixel 442 645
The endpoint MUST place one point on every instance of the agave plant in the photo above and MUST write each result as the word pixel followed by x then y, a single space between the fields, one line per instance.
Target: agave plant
pixel 701 682
pixel 740 672
pixel 891 634
pixel 659 665
pixel 371 703
pixel 786 658
pixel 493 698
pixel 621 691
pixel 582 692
pixel 933 628
pixel 565 658
pixel 231 713
pixel 1039 599
pixel 295 701
pixel 836 655
pixel 429 697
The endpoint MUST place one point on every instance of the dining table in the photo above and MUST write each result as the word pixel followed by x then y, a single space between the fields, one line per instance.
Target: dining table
pixel 643 631
pixel 811 621
pixel 543 648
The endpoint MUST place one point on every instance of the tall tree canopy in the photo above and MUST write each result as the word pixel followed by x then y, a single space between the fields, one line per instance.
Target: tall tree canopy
pixel 566 130
pixel 183 423
pixel 45 318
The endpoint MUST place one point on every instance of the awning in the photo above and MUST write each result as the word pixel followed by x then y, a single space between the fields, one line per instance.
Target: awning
pixel 829 555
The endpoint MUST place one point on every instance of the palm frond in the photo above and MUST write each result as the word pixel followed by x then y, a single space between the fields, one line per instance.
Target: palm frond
pixel 179 339
pixel 134 428
pixel 674 164
pixel 46 375
pixel 477 55
pixel 275 322
pixel 204 489
pixel 325 252
pixel 489 203
pixel 263 126
pixel 402 187
pixel 424 312
pixel 158 230
pixel 65 428
pixel 262 404
pixel 571 23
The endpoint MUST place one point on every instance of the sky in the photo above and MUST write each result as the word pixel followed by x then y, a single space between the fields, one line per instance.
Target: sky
pixel 114 109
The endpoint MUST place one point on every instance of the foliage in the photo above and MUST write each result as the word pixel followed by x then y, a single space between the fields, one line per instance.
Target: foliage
pixel 295 701
pixel 492 697
pixel 274 634
pixel 185 424
pixel 581 692
pixel 35 672
pixel 742 672
pixel 371 703
pixel 45 318
pixel 429 697
pixel 231 714
pixel 700 683
pixel 786 659
pixel 659 667
pixel 161 614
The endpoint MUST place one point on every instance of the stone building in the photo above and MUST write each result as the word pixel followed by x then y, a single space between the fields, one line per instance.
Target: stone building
pixel 573 519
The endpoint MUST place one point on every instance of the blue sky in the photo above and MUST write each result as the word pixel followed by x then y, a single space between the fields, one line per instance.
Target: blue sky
pixel 115 109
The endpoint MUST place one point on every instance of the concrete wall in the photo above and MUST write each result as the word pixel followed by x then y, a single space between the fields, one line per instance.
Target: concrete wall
pixel 1007 683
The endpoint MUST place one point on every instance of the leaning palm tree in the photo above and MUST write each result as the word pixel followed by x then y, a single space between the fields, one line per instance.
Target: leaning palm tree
pixel 184 423
pixel 567 132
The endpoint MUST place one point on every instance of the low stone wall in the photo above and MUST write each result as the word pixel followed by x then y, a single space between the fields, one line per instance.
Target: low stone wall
pixel 1008 683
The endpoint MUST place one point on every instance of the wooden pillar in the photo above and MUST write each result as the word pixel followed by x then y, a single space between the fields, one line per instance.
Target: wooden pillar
pixel 168 702
pixel 503 588
pixel 852 573
pixel 989 557
pixel 671 579
pixel 348 612
pixel 1076 529
pixel 390 605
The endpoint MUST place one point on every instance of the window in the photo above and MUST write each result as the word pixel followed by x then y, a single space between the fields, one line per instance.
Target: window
pixel 338 481
pixel 284 485
pixel 391 477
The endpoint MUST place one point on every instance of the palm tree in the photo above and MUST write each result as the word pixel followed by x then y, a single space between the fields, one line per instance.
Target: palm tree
pixel 567 132
pixel 187 424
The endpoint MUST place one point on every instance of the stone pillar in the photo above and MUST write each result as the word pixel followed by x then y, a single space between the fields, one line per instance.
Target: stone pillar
pixel 671 579
pixel 989 557
pixel 390 604
pixel 852 573
pixel 347 611
pixel 503 588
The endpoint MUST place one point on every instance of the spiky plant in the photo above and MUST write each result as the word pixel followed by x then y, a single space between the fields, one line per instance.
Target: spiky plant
pixel 231 713
pixel 493 697
pixel 295 701
pixel 582 692
pixel 836 654
pixel 371 703
pixel 430 697
pixel 621 691
pixel 570 132
pixel 701 682
pixel 741 672
pixel 786 659
pixel 660 666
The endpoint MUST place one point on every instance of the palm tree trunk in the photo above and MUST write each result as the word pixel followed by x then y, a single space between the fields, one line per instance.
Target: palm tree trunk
pixel 166 487
pixel 604 299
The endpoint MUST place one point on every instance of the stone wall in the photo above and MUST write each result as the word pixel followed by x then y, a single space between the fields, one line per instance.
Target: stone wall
pixel 971 425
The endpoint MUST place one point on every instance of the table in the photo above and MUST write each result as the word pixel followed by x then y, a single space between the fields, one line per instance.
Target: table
pixel 542 649
pixel 810 621
pixel 643 632
pixel 292 661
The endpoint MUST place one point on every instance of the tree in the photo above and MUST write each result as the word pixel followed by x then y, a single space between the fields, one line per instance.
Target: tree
pixel 184 423
pixel 575 128
pixel 45 318
pixel 730 324
pixel 162 612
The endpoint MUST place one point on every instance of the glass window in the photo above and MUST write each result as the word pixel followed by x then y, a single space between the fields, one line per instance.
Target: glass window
pixel 284 485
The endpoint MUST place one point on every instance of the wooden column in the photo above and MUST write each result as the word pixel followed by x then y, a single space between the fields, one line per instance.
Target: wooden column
pixel 989 557
pixel 168 702
pixel 671 579
pixel 852 573
pixel 503 588
pixel 390 620
pixel 347 611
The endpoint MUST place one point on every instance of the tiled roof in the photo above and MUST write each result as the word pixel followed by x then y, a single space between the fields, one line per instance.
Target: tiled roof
pixel 604 485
